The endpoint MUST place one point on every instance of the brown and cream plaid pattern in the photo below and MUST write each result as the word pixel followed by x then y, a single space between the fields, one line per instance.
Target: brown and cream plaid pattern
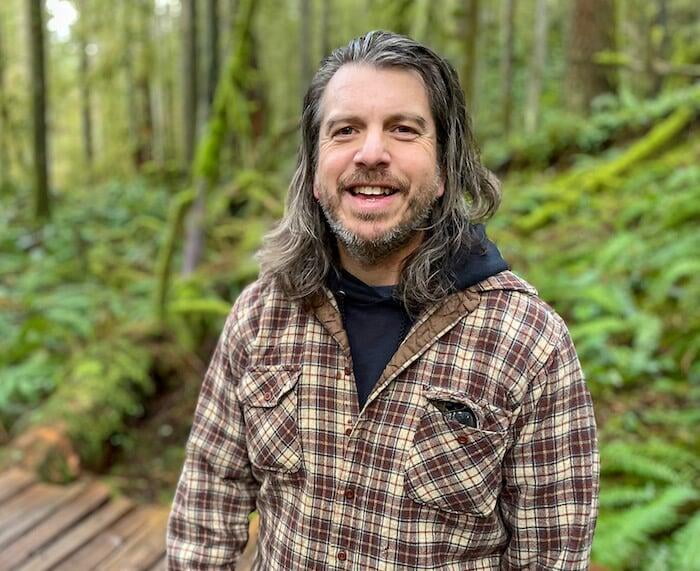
pixel 396 485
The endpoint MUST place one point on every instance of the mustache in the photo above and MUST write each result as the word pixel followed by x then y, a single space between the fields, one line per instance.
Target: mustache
pixel 373 177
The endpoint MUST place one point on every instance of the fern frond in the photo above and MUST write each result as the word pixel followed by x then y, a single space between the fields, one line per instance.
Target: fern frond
pixel 670 454
pixel 656 557
pixel 621 536
pixel 625 458
pixel 685 551
pixel 684 417
pixel 621 496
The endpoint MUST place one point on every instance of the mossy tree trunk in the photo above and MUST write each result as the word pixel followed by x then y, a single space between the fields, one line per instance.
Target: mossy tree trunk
pixel 37 75
pixel 232 112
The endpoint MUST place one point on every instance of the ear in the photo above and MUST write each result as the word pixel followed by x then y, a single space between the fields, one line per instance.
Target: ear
pixel 440 190
pixel 317 191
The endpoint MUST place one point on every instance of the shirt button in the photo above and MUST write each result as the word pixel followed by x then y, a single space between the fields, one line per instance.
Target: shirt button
pixel 463 439
pixel 348 431
pixel 267 396
pixel 349 494
pixel 342 555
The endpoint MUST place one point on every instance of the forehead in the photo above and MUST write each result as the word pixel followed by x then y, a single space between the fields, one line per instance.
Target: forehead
pixel 359 89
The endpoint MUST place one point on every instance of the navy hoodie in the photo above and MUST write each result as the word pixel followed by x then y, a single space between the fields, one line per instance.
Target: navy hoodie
pixel 376 322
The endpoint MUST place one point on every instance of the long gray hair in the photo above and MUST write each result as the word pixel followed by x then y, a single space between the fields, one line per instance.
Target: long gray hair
pixel 301 251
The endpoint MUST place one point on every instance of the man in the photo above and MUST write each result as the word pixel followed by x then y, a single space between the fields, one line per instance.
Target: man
pixel 388 395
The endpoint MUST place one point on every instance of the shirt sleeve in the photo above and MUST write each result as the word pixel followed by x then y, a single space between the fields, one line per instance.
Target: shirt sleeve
pixel 549 500
pixel 208 524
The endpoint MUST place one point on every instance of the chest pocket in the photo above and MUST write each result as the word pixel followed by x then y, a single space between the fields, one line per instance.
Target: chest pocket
pixel 456 466
pixel 269 400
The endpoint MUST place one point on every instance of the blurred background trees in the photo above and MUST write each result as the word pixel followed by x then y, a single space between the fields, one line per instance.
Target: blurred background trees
pixel 146 146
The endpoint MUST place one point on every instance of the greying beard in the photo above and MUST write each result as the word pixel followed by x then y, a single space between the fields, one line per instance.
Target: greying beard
pixel 370 252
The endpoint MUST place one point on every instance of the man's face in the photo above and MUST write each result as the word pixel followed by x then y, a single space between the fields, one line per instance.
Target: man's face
pixel 377 176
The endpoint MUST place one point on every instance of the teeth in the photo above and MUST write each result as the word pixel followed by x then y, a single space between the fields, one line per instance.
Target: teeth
pixel 372 190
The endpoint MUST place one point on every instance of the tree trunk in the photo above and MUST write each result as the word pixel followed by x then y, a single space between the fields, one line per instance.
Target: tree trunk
pixel 591 30
pixel 4 119
pixel 326 19
pixel 229 111
pixel 470 33
pixel 662 45
pixel 539 56
pixel 507 51
pixel 194 228
pixel 166 115
pixel 304 46
pixel 189 77
pixel 212 48
pixel 85 95
pixel 143 85
pixel 37 73
pixel 130 83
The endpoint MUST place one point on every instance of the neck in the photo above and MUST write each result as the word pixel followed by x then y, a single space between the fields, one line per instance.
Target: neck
pixel 385 272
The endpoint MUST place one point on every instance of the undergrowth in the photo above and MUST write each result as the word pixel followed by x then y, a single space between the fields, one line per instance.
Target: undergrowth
pixel 617 256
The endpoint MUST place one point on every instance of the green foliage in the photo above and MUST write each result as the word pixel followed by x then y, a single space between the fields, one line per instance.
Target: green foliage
pixel 621 536
pixel 685 547
pixel 612 244
pixel 648 488
pixel 621 268
pixel 563 135
pixel 103 386
pixel 76 313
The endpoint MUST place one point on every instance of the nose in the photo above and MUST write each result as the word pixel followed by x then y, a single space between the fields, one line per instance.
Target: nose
pixel 373 151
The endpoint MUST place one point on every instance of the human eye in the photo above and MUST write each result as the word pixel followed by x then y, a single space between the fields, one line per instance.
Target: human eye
pixel 405 131
pixel 345 131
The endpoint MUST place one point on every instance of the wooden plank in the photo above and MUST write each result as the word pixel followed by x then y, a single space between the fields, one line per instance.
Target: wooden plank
pixel 33 505
pixel 77 537
pixel 13 481
pixel 144 548
pixel 59 521
pixel 91 554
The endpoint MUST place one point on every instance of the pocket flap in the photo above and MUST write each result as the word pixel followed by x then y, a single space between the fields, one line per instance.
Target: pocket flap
pixel 265 386
pixel 490 418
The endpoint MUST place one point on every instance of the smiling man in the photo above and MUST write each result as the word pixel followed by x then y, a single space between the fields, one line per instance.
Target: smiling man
pixel 389 395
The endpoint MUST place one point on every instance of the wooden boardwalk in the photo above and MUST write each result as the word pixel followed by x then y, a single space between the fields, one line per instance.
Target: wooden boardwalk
pixel 76 527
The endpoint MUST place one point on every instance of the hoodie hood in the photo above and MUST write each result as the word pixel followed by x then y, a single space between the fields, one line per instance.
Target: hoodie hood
pixel 479 262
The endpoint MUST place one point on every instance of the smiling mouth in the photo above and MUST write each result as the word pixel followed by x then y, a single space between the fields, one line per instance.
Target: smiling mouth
pixel 372 191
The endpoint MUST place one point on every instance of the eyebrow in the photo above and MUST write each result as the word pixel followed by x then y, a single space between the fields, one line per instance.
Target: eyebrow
pixel 395 118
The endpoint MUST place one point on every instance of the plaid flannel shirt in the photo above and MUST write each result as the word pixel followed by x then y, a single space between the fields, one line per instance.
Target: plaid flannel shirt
pixel 396 485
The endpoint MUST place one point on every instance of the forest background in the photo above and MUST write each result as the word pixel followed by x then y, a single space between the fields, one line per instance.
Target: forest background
pixel 146 146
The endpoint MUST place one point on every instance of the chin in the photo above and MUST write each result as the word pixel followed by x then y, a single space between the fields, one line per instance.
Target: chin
pixel 371 236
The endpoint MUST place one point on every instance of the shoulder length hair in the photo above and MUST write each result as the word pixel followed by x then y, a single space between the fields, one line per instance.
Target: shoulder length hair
pixel 301 251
